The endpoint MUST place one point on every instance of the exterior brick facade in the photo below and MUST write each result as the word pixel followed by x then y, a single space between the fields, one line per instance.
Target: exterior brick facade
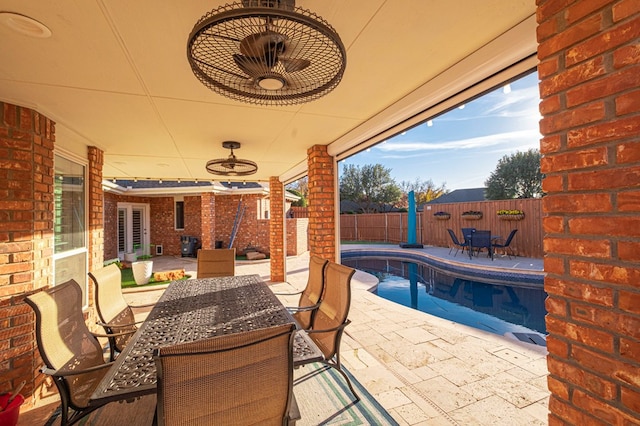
pixel 26 238
pixel 208 217
pixel 589 92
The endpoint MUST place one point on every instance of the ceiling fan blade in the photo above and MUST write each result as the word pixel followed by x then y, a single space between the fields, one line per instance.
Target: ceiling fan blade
pixel 266 46
pixel 253 67
pixel 295 64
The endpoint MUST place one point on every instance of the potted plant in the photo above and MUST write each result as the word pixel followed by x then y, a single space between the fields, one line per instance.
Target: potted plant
pixel 442 215
pixel 142 268
pixel 472 215
pixel 510 214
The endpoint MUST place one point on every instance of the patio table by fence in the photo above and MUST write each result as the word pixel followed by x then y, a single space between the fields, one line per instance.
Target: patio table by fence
pixel 192 310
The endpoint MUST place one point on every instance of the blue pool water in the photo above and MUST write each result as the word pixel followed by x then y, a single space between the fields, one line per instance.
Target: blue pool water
pixel 495 307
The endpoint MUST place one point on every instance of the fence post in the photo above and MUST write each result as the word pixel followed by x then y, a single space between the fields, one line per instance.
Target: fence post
pixel 355 226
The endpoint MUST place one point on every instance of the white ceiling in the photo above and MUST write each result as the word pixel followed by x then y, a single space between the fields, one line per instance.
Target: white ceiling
pixel 114 74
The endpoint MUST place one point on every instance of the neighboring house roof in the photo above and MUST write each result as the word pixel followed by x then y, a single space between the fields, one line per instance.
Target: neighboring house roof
pixel 461 196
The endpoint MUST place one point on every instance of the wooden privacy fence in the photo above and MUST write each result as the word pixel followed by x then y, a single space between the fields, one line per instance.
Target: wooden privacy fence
pixel 392 227
pixel 382 227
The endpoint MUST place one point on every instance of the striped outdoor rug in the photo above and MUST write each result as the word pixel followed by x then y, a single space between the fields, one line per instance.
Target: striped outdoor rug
pixel 324 399
pixel 322 394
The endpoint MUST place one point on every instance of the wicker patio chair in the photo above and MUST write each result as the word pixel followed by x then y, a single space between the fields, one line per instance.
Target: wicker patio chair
pixel 216 263
pixel 71 353
pixel 310 295
pixel 331 317
pixel 116 315
pixel 241 378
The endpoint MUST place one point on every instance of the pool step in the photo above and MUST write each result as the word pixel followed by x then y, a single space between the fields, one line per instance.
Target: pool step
pixel 534 338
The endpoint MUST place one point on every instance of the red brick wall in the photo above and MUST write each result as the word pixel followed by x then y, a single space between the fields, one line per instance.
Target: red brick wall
pixel 276 230
pixel 297 236
pixel 208 220
pixel 248 233
pixel 590 73
pixel 208 217
pixel 26 238
pixel 322 220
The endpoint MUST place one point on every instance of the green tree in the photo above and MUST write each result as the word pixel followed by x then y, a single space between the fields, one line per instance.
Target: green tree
pixel 300 188
pixel 370 185
pixel 424 191
pixel 516 176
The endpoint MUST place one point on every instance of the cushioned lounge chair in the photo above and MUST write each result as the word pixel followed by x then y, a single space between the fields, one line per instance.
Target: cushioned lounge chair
pixel 71 353
pixel 241 378
pixel 116 315
pixel 311 294
pixel 331 317
pixel 216 263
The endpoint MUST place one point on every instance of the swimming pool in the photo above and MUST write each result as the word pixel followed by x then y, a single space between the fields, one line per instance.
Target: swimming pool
pixel 501 306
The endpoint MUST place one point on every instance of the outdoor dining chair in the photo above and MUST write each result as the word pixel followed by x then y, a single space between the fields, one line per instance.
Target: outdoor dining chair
pixel 216 263
pixel 480 240
pixel 233 379
pixel 71 353
pixel 331 319
pixel 309 296
pixel 505 246
pixel 116 315
pixel 456 243
pixel 466 235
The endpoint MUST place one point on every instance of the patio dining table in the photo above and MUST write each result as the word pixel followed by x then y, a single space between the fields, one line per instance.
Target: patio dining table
pixel 191 310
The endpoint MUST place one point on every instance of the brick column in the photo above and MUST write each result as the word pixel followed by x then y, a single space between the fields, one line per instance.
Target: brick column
pixel 208 219
pixel 26 238
pixel 96 211
pixel 322 209
pixel 277 237
pixel 590 74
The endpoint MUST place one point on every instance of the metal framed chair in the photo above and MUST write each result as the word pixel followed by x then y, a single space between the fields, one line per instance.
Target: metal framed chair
pixel 456 243
pixel 480 240
pixel 309 296
pixel 116 315
pixel 71 353
pixel 505 245
pixel 331 319
pixel 241 378
pixel 216 263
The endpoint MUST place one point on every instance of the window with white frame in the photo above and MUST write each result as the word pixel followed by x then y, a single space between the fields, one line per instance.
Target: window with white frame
pixel 70 237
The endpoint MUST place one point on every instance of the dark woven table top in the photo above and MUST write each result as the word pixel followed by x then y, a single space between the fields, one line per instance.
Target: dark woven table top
pixel 191 310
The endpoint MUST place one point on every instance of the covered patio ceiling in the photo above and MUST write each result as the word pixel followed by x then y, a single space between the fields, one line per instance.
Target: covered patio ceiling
pixel 114 75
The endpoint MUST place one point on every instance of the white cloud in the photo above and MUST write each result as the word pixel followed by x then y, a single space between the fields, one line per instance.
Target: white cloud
pixel 510 140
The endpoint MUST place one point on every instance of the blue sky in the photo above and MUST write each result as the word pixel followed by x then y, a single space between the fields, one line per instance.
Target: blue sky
pixel 462 147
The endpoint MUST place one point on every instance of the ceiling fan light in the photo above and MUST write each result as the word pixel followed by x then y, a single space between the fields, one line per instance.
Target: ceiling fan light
pixel 271 83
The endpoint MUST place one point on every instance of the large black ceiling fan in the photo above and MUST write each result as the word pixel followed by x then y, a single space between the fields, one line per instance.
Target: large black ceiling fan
pixel 266 52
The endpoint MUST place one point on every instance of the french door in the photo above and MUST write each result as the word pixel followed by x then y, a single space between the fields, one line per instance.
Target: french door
pixel 133 229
